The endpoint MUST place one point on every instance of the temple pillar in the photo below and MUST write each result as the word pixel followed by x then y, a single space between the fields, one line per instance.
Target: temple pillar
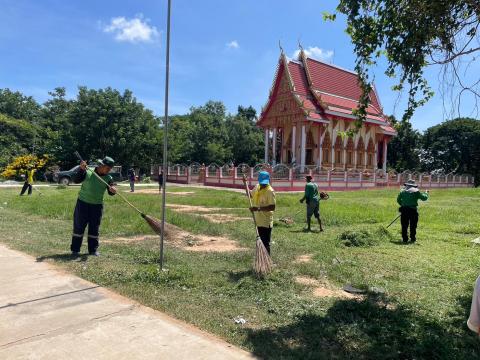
pixel 332 153
pixel 385 146
pixel 375 156
pixel 294 137
pixel 266 146
pixel 355 159
pixel 320 149
pixel 302 148
pixel 274 146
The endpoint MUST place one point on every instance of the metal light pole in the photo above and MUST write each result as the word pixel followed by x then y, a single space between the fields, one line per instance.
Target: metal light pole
pixel 165 133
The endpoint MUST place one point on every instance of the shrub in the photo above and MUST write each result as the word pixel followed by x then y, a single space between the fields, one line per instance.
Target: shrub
pixel 22 163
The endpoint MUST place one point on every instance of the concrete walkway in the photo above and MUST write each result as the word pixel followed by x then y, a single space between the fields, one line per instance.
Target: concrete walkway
pixel 46 314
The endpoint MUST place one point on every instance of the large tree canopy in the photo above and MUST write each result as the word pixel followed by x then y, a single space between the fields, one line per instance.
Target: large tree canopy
pixel 410 35
pixel 209 135
pixel 453 146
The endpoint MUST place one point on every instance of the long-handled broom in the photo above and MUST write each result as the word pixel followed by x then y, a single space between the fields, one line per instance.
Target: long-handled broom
pixel 151 221
pixel 263 261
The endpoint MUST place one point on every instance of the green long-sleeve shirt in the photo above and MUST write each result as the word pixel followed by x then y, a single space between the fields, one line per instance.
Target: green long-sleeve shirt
pixel 409 197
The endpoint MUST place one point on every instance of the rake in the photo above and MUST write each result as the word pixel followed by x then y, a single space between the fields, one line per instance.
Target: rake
pixel 151 221
pixel 263 261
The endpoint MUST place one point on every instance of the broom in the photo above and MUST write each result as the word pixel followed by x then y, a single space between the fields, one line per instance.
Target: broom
pixel 263 261
pixel 151 221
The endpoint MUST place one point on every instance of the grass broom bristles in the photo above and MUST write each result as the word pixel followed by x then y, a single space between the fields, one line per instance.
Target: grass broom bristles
pixel 263 261
pixel 154 223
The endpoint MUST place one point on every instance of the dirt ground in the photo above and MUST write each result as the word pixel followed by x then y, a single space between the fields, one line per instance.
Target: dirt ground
pixel 214 215
pixel 323 289
pixel 156 192
pixel 186 241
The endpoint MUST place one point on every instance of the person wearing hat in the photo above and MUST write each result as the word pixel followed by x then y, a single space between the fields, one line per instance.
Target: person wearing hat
pixel 131 178
pixel 89 208
pixel 312 198
pixel 263 206
pixel 408 201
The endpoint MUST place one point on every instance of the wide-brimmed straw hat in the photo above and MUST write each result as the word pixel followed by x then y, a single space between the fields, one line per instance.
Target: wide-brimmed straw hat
pixel 411 183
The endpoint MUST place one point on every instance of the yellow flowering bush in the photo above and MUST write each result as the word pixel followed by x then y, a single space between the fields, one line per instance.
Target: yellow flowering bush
pixel 23 163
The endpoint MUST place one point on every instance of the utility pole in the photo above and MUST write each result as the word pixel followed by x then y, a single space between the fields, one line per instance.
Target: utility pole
pixel 165 134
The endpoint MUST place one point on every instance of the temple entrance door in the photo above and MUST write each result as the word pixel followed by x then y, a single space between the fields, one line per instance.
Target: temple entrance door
pixel 309 157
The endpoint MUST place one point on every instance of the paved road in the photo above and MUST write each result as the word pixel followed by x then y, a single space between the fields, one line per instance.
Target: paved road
pixel 46 314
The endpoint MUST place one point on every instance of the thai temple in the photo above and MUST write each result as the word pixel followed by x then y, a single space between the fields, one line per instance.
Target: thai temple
pixel 309 106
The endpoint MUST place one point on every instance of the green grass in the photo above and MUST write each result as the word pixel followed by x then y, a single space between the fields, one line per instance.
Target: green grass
pixel 421 315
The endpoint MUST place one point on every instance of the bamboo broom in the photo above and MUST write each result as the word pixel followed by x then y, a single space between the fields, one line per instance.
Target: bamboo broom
pixel 151 221
pixel 263 262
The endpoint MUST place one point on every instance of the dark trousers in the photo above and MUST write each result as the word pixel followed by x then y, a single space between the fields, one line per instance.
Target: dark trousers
pixel 265 236
pixel 132 185
pixel 409 217
pixel 86 214
pixel 26 186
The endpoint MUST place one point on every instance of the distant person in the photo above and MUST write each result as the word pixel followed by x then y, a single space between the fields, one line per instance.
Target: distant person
pixel 160 180
pixel 28 184
pixel 473 322
pixel 263 206
pixel 312 199
pixel 89 208
pixel 408 201
pixel 131 178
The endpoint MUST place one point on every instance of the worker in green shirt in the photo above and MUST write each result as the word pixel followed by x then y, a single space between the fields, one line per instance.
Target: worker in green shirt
pixel 312 198
pixel 408 201
pixel 89 208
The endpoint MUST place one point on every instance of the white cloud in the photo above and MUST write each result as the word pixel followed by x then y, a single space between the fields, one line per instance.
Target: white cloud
pixel 132 30
pixel 232 44
pixel 316 53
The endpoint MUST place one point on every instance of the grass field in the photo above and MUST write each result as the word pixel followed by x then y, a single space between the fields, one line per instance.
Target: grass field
pixel 418 296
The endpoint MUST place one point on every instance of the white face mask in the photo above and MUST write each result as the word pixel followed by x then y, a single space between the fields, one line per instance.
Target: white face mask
pixel 411 189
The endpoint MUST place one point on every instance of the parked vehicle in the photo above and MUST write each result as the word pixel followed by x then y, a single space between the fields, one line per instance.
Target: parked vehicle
pixel 66 177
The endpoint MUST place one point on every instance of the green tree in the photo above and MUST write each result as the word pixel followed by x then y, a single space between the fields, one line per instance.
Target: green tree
pixel 107 122
pixel 208 134
pixel 453 146
pixel 16 138
pixel 411 35
pixel 18 106
pixel 404 149
pixel 56 124
pixel 245 138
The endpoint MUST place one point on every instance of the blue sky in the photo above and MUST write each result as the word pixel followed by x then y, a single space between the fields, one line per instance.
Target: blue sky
pixel 221 50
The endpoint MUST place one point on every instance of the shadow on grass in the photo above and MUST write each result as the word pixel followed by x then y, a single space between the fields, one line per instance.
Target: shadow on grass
pixel 368 329
pixel 62 257
pixel 236 276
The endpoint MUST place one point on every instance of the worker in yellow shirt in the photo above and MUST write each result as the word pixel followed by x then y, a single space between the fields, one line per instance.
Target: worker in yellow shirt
pixel 28 181
pixel 263 206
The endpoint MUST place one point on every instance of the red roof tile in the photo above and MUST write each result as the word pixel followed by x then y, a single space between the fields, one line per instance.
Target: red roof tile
pixel 299 78
pixel 337 81
pixel 345 103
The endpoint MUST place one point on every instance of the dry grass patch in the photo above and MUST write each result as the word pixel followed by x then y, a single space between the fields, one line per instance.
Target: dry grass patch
pixel 212 214
pixel 185 240
pixel 306 258
pixel 324 289
pixel 156 192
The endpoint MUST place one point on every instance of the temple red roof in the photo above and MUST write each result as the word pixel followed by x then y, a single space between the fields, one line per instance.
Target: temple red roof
pixel 325 90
